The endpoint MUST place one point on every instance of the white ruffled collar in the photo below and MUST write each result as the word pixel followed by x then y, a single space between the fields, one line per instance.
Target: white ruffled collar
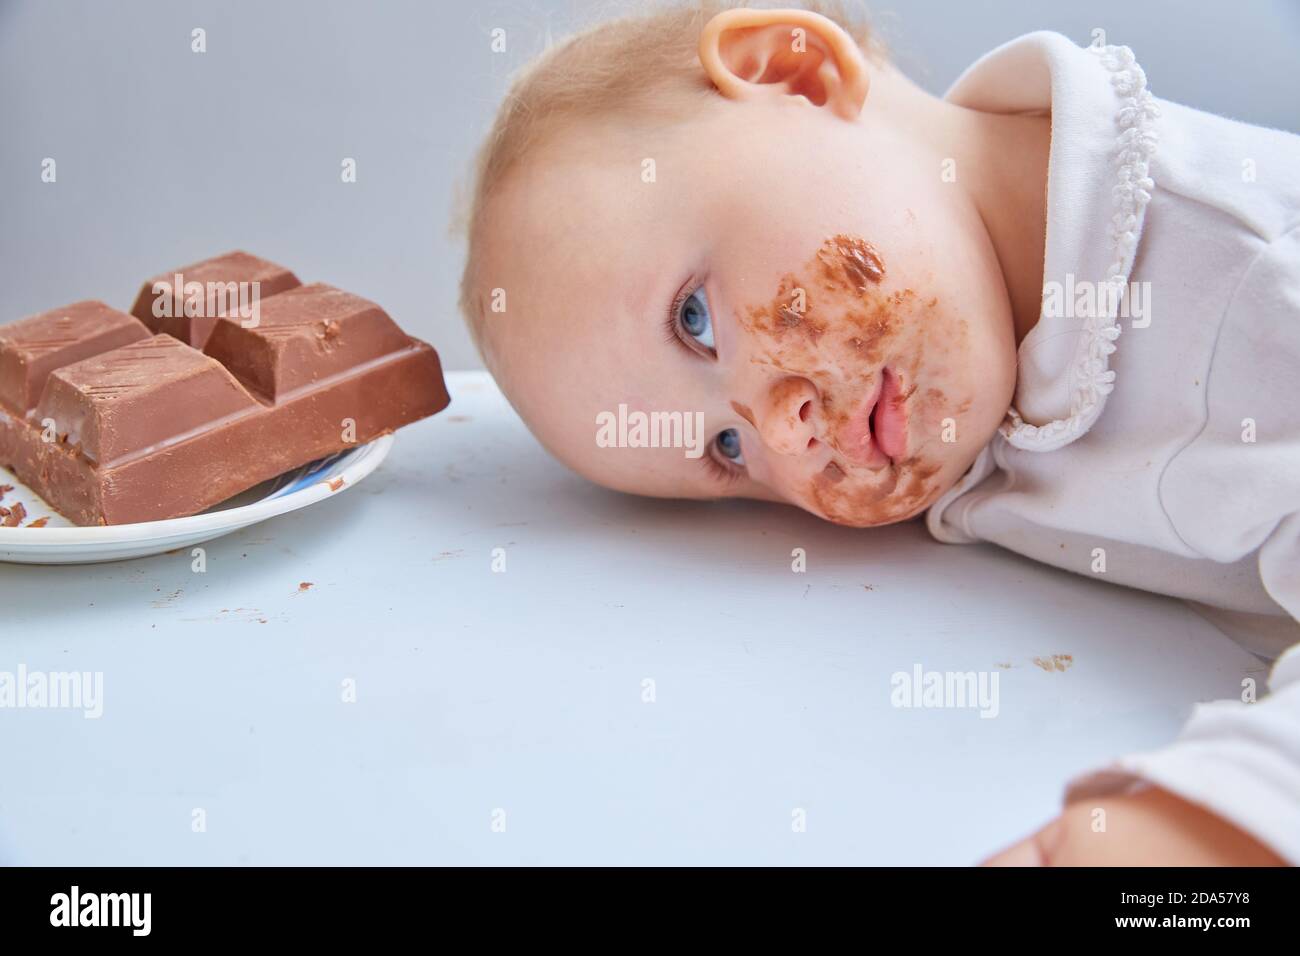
pixel 1102 143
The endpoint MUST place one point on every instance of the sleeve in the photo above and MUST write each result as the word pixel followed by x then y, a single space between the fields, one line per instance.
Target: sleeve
pixel 1242 760
pixel 1238 760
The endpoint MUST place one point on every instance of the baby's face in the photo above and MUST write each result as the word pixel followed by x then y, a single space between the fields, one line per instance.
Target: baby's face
pixel 825 300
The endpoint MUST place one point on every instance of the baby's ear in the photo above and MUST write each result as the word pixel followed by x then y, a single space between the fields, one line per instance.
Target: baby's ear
pixel 758 54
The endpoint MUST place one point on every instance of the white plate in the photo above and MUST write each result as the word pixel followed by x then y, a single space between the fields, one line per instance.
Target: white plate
pixel 61 542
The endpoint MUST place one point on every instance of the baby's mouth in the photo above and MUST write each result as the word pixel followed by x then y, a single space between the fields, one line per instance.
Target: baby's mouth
pixel 876 435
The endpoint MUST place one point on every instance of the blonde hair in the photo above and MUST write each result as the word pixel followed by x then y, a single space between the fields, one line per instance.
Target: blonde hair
pixel 644 67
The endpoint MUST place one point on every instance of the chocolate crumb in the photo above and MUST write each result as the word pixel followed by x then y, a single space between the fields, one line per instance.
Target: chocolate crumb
pixel 336 484
pixel 15 516
pixel 305 586
pixel 38 523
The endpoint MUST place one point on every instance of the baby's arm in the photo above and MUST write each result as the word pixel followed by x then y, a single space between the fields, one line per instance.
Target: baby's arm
pixel 1142 829
pixel 1226 792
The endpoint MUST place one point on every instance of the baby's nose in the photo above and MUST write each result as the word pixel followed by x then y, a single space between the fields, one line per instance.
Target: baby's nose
pixel 788 422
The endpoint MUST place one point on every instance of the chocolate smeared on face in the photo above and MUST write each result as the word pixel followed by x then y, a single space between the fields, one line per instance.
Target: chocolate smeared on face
pixel 859 263
pixel 788 317
pixel 836 324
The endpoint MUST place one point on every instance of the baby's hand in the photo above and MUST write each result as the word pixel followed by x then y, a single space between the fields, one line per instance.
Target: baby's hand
pixel 1151 828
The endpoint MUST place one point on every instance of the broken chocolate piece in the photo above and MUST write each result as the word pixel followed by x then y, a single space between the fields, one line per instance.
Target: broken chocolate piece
pixel 305 336
pixel 33 347
pixel 186 302
pixel 140 399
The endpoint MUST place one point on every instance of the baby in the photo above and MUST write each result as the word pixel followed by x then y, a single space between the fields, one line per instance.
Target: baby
pixel 880 304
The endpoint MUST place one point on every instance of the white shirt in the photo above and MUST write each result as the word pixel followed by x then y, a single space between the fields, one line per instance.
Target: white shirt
pixel 1159 447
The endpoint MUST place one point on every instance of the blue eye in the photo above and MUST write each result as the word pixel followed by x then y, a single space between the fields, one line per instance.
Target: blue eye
pixel 728 443
pixel 693 317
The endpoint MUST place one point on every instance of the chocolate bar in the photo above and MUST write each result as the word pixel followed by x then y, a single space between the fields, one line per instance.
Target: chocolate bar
pixel 111 423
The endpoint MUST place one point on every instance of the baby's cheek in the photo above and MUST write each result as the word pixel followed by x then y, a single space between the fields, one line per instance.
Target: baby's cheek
pixel 832 322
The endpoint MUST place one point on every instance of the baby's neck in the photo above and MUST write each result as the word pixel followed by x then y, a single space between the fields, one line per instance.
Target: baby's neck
pixel 1001 163
pixel 1010 155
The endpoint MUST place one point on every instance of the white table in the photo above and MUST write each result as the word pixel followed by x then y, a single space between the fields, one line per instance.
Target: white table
pixel 517 697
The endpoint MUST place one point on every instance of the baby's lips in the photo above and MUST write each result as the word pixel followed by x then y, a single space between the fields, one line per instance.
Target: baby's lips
pixel 891 417
pixel 855 440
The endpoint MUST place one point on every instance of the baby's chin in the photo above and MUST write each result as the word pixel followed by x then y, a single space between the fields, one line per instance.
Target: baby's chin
pixel 912 488
pixel 858 521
